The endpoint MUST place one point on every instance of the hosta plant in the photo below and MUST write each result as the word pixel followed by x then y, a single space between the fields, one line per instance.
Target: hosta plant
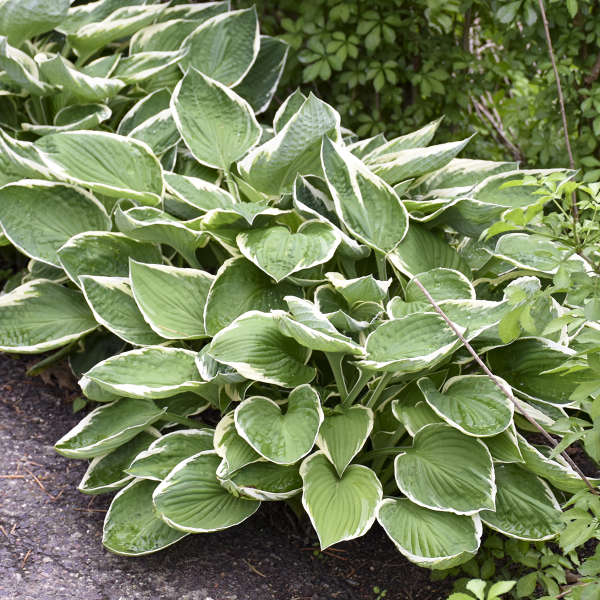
pixel 278 311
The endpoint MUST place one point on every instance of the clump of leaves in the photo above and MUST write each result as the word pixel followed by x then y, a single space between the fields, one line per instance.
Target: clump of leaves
pixel 245 302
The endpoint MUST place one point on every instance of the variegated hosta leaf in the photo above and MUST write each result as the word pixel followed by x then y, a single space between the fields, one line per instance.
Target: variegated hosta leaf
pixel 232 448
pixel 192 499
pixel 410 344
pixel 360 289
pixel 279 252
pixel 282 438
pixel 560 475
pixel 400 165
pixel 421 250
pixel 20 160
pixel 72 118
pixel 265 481
pixel 155 372
pixel 105 162
pixel 239 287
pixel 165 453
pixel 414 412
pixel 171 299
pixel 148 224
pixel 143 65
pixel 340 508
pixel 447 470
pixel 85 88
pixel 224 47
pixel 38 217
pixel 527 375
pixel 104 253
pixel 112 303
pixel 199 13
pixel 106 473
pixel 272 167
pixel 260 83
pixel 290 106
pixel 42 315
pixel 22 19
pixel 254 346
pixel 442 284
pixel 143 110
pixel 343 434
pixel 198 193
pixel 431 539
pixel 366 205
pixel 159 132
pixel 471 403
pixel 131 526
pixel 504 447
pixel 108 427
pixel 311 328
pixel 526 509
pixel 166 36
pixel 216 124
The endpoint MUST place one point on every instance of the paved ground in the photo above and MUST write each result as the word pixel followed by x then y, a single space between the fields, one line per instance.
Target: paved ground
pixel 50 534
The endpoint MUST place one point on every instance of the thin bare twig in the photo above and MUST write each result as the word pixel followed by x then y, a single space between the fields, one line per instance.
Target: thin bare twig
pixel 508 393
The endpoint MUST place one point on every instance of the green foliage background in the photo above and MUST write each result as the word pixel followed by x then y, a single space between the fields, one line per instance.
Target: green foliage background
pixel 392 65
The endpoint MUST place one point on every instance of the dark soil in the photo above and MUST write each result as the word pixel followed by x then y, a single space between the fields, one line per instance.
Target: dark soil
pixel 50 534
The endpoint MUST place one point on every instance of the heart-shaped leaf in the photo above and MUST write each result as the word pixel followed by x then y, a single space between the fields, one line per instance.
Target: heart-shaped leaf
pixel 112 303
pixel 281 438
pixel 107 427
pixel 42 315
pixel 254 346
pixel 367 205
pixel 340 508
pixel 447 470
pixel 279 252
pixel 411 343
pixel 154 372
pixel 131 527
pixel 216 124
pixel 191 498
pixel 239 287
pixel 38 217
pixel 431 539
pixel 107 473
pixel 165 453
pixel 471 403
pixel 526 509
pixel 171 299
pixel 343 434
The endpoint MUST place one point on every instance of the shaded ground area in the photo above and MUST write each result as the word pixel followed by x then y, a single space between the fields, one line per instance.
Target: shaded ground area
pixel 50 534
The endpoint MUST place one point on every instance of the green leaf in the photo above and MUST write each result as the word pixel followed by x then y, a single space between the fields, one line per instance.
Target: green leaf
pixel 104 253
pixel 20 160
pixel 291 105
pixel 22 19
pixel 504 447
pixel 266 481
pixel 143 110
pixel 499 588
pixel 143 65
pixel 131 527
pixel 422 250
pixel 38 217
pixel 191 498
pixel 254 346
pixel 240 287
pixel 108 427
pixel 159 132
pixel 410 344
pixel 442 284
pixel 156 372
pixel 282 438
pixel 279 252
pixel 272 167
pixel 340 508
pixel 526 585
pixel 431 539
pixel 165 453
pixel 531 252
pixel 198 193
pixel 171 299
pixel 20 70
pixel 216 124
pixel 41 315
pixel 232 448
pixel 224 47
pixel 446 470
pixel 72 118
pixel 260 83
pixel 360 289
pixel 525 507
pixel 471 403
pixel 414 139
pixel 343 434
pixel 106 473
pixel 112 303
pixel 104 162
pixel 367 206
